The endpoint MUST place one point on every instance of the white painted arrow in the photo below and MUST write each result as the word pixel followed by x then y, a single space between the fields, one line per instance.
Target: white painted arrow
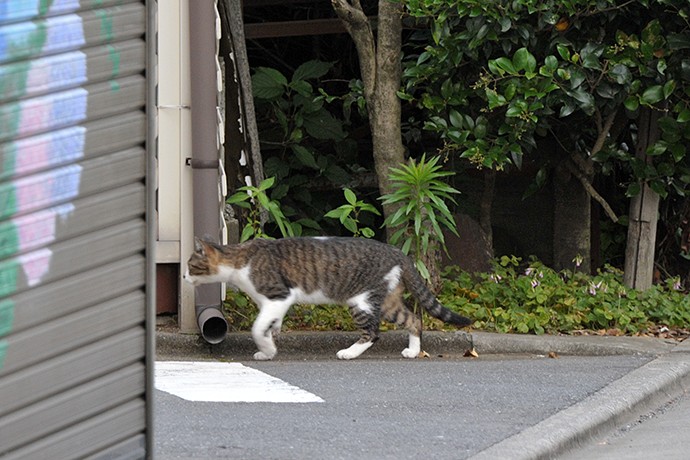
pixel 225 382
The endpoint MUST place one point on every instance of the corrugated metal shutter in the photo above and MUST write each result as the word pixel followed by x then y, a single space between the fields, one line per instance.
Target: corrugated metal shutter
pixel 73 232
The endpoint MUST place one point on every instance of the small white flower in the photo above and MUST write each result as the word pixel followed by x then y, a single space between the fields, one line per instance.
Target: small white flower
pixel 578 260
pixel 593 288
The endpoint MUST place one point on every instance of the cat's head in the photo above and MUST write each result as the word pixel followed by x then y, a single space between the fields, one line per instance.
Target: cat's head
pixel 202 266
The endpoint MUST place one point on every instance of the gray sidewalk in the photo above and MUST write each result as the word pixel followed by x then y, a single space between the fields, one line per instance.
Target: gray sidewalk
pixel 658 432
pixel 579 430
pixel 590 428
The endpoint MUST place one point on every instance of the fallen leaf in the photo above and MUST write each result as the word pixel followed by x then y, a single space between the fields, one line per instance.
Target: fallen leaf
pixel 423 354
pixel 472 353
pixel 553 355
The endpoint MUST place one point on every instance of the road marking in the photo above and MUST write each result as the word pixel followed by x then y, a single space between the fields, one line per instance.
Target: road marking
pixel 225 382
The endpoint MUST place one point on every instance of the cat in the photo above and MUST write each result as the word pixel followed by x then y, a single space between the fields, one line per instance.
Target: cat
pixel 366 275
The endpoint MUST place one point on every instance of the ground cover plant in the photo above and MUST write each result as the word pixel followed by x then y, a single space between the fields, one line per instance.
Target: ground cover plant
pixel 533 298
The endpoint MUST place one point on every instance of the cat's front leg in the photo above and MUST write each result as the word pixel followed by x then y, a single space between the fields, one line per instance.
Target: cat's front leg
pixel 268 321
pixel 262 333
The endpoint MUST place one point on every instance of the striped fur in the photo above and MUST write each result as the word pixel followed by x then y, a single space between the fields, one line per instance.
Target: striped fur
pixel 366 275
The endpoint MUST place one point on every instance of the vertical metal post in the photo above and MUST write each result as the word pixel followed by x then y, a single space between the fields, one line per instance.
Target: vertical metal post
pixel 205 156
pixel 151 224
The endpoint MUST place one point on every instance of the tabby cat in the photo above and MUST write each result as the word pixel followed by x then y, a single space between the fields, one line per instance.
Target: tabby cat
pixel 366 275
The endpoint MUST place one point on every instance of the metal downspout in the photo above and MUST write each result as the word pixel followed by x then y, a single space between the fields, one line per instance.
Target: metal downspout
pixel 205 156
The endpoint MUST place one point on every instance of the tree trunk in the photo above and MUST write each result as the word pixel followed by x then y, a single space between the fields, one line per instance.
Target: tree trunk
pixel 380 67
pixel 644 211
pixel 571 222
pixel 486 205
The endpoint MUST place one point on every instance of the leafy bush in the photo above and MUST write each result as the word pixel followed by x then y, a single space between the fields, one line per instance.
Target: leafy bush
pixel 305 141
pixel 350 214
pixel 256 200
pixel 537 299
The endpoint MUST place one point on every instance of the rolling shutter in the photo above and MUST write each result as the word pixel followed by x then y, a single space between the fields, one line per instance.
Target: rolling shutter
pixel 73 233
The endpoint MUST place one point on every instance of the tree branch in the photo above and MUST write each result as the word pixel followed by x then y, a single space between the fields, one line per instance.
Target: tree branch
pixel 604 131
pixel 591 191
pixel 357 25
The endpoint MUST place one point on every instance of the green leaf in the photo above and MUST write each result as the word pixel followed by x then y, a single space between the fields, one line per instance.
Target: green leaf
pixel 669 87
pixel 657 148
pixel 247 233
pixel 621 74
pixel 567 108
pixel 678 41
pixel 632 103
pixel 506 65
pixel 524 60
pixel 633 189
pixel 684 116
pixel 659 187
pixel 280 191
pixel 652 95
pixel 311 69
pixel 563 51
pixel 337 174
pixel 237 198
pixel 510 91
pixel 514 111
pixel 268 83
pixel 322 125
pixel 350 196
pixel 455 118
pixel 367 232
pixel 551 63
pixel 406 246
pixel 305 156
pixel 350 224
pixel 590 56
pixel 423 270
pixel 369 208
pixel 267 183
pixel 304 89
pixel 585 99
pixel 495 99
pixel 678 152
pixel 337 212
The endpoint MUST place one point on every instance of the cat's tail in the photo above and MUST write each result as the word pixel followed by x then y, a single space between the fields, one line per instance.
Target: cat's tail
pixel 416 285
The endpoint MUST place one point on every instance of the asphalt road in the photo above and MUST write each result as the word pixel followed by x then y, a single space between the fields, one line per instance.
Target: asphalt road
pixel 385 408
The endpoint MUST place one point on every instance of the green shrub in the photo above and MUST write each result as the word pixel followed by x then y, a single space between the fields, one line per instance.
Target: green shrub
pixel 536 299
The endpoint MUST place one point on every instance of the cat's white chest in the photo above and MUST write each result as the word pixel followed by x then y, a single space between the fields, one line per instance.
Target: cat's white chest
pixel 238 278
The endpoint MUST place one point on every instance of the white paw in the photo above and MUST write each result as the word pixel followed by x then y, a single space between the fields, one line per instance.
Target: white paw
pixel 261 356
pixel 408 353
pixel 354 350
pixel 346 354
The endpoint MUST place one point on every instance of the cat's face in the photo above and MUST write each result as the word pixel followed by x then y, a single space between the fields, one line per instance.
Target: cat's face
pixel 202 266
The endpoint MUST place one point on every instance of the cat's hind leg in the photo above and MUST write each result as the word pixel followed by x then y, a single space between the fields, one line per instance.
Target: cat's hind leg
pixel 395 311
pixel 268 321
pixel 366 318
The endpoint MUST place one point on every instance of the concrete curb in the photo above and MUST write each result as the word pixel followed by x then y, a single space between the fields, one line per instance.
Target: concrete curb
pixel 240 346
pixel 642 390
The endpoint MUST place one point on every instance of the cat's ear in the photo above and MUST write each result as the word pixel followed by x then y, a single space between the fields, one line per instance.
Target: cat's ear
pixel 198 245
